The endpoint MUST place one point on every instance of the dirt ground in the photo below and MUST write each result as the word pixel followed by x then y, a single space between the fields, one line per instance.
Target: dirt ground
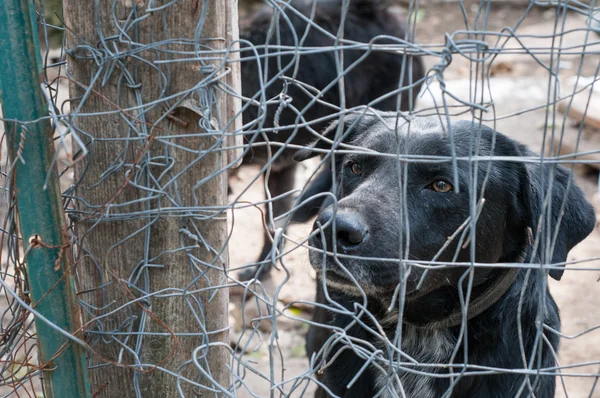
pixel 519 82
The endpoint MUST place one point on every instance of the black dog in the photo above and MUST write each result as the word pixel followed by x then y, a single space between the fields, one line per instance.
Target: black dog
pixel 407 207
pixel 368 78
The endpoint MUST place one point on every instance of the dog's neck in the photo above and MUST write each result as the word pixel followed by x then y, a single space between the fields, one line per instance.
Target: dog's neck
pixel 436 345
pixel 450 308
pixel 480 298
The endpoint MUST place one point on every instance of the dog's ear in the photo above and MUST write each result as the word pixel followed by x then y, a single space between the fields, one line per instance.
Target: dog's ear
pixel 350 127
pixel 555 209
pixel 548 201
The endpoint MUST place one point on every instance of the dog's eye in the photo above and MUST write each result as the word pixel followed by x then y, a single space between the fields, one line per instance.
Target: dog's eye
pixel 441 186
pixel 355 168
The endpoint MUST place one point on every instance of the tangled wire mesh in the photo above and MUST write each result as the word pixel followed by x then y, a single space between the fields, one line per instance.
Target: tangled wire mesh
pixel 172 241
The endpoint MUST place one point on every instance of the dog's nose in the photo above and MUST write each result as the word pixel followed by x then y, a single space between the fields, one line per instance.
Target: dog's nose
pixel 350 229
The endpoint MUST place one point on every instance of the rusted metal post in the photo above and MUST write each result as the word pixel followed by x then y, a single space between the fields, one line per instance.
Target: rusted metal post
pixel 39 203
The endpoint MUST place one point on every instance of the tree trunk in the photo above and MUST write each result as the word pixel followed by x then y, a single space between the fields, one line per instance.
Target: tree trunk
pixel 150 194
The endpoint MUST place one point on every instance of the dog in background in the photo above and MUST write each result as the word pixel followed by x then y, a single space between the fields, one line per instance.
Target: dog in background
pixel 407 209
pixel 366 80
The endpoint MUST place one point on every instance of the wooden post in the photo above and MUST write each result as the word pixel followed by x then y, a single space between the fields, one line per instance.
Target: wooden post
pixel 145 222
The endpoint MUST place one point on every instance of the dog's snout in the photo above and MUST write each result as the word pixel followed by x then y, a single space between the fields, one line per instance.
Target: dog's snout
pixel 350 229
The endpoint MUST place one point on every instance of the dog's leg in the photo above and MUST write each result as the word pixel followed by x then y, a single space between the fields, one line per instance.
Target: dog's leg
pixel 279 183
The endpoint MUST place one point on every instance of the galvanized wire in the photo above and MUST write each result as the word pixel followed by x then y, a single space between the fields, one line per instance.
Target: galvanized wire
pixel 477 47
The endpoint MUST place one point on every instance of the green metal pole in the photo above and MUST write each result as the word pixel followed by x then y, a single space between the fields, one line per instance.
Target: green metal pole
pixel 40 209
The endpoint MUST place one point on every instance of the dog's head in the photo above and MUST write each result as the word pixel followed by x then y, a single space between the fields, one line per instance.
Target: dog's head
pixel 397 199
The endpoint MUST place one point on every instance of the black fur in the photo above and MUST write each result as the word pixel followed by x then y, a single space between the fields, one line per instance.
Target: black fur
pixel 372 199
pixel 376 75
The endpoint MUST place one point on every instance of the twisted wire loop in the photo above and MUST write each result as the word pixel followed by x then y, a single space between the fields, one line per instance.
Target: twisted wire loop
pixel 492 65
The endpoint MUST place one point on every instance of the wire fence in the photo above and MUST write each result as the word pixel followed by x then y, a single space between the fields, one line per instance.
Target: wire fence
pixel 198 277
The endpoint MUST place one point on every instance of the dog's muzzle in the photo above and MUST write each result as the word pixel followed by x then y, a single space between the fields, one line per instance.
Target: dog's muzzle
pixel 344 230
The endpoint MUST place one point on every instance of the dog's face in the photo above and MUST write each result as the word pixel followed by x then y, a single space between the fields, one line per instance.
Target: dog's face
pixel 408 206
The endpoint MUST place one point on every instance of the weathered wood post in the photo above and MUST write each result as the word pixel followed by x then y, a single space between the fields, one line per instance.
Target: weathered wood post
pixel 150 195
